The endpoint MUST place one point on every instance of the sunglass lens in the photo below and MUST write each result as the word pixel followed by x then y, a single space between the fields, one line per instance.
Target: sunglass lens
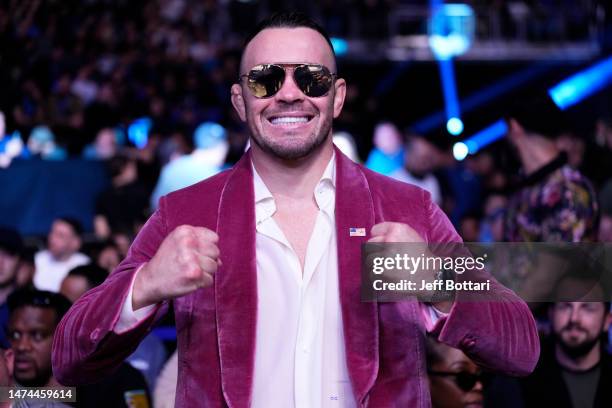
pixel 313 80
pixel 467 381
pixel 265 80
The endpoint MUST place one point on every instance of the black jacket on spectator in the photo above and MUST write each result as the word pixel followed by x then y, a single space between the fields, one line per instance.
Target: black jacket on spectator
pixel 547 388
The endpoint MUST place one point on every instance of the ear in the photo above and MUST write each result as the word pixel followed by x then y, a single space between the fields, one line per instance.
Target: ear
pixel 238 101
pixel 339 95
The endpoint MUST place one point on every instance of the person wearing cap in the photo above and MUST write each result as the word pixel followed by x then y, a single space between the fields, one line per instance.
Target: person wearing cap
pixel 62 254
pixel 206 160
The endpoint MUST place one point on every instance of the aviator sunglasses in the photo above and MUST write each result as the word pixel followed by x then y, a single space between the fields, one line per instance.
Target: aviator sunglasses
pixel 464 379
pixel 265 80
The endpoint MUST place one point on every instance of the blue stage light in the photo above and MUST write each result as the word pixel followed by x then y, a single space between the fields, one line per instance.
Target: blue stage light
pixel 583 84
pixel 481 139
pixel 460 151
pixel 454 126
pixel 340 46
pixel 451 29
pixel 138 132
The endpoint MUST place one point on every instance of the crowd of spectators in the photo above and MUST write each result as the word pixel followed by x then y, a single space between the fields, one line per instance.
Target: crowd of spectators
pixel 77 74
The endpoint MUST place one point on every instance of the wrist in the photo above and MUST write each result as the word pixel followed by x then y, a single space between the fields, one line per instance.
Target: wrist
pixel 142 295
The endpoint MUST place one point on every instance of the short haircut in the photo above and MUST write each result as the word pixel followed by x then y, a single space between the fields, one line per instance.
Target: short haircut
pixel 38 298
pixel 94 274
pixel 286 19
pixel 75 224
pixel 116 164
pixel 539 114
pixel 11 241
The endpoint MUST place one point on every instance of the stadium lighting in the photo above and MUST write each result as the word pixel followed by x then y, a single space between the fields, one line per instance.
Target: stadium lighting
pixel 581 85
pixel 454 126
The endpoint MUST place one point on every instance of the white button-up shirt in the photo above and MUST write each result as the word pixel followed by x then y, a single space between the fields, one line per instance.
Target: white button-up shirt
pixel 300 358
pixel 299 354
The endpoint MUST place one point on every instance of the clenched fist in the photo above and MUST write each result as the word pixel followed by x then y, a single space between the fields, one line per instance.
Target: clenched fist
pixel 186 260
pixel 394 232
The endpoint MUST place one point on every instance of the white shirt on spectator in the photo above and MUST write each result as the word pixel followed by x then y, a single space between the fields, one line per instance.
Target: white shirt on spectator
pixel 428 183
pixel 50 272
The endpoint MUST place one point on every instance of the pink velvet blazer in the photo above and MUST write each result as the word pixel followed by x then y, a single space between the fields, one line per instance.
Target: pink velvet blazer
pixel 216 325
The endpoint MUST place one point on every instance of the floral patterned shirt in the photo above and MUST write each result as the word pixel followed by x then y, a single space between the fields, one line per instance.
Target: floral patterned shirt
pixel 558 206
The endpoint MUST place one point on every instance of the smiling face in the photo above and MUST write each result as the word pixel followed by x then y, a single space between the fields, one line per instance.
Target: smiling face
pixel 288 125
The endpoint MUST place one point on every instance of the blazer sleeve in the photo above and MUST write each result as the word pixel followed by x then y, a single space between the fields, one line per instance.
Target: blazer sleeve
pixel 498 332
pixel 85 347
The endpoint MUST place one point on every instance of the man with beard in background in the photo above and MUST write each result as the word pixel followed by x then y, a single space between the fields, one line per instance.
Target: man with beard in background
pixel 574 370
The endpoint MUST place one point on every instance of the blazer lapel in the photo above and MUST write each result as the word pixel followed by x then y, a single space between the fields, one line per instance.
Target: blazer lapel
pixel 236 285
pixel 354 208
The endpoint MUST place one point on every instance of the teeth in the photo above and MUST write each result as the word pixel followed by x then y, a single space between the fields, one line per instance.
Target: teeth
pixel 289 119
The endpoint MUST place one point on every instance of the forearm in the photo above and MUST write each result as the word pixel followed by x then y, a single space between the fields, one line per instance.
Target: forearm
pixel 85 344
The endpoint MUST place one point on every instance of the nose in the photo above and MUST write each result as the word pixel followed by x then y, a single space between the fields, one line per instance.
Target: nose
pixel 575 314
pixel 477 386
pixel 289 91
pixel 22 344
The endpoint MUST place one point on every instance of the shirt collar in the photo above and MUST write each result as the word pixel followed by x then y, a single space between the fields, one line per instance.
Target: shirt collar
pixel 324 193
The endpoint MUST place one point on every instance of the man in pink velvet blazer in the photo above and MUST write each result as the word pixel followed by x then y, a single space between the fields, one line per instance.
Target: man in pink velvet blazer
pixel 198 253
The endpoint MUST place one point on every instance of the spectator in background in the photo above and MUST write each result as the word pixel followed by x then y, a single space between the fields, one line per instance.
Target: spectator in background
pixel 420 160
pixel 61 255
pixel 42 143
pixel 104 146
pixel 346 143
pixel 81 279
pixel 124 202
pixel 11 247
pixel 598 152
pixel 33 317
pixel 11 147
pixel 27 268
pixel 492 225
pixel 211 147
pixel 554 201
pixel 469 227
pixel 109 256
pixel 454 380
pixel 605 224
pixel 574 370
pixel 149 357
pixel 7 361
pixel 387 155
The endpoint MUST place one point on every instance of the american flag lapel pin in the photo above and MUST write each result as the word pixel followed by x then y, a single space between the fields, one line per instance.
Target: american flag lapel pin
pixel 357 232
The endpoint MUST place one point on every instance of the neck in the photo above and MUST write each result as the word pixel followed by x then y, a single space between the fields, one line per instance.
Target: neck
pixel 583 363
pixel 535 152
pixel 295 179
pixel 61 257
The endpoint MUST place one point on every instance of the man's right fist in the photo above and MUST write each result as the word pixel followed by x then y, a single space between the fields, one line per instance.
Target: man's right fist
pixel 185 261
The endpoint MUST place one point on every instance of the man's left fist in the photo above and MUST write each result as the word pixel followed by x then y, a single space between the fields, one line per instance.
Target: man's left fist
pixel 394 232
